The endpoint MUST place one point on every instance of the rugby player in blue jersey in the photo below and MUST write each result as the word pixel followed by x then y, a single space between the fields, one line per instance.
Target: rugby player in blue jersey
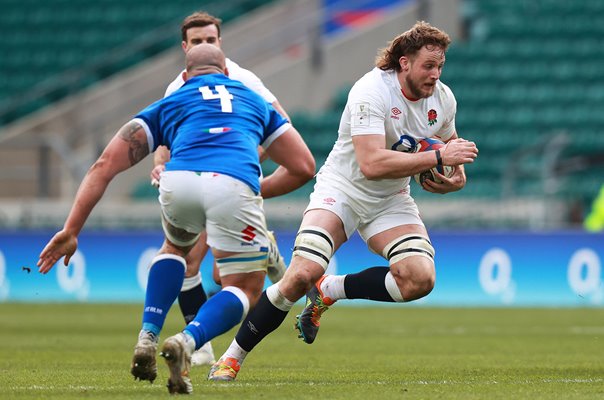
pixel 212 126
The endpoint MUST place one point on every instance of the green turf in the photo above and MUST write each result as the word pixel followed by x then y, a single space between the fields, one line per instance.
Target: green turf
pixel 83 352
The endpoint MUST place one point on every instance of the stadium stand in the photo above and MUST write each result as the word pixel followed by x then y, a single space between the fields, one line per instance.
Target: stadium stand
pixel 58 48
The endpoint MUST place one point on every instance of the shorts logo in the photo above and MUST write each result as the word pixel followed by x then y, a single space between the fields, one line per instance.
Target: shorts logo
pixel 248 233
pixel 395 113
pixel 329 201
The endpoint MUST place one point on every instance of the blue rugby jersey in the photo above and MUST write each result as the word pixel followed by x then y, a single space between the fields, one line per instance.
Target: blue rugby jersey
pixel 213 124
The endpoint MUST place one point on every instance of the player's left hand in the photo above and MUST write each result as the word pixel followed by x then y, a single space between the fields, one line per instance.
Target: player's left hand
pixel 62 244
pixel 452 184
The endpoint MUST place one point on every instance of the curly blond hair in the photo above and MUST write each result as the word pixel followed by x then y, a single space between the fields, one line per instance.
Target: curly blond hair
pixel 409 43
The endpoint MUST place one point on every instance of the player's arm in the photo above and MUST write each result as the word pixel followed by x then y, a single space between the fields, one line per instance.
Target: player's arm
pixel 377 162
pixel 262 155
pixel 160 157
pixel 296 164
pixel 127 148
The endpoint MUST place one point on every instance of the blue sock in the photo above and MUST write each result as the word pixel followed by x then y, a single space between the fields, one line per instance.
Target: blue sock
pixel 220 313
pixel 163 286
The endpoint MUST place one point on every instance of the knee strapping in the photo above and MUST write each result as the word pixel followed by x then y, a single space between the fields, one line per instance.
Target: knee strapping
pixel 314 244
pixel 393 290
pixel 243 263
pixel 408 245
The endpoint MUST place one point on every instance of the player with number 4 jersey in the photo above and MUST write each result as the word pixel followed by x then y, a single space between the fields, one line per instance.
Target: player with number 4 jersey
pixel 227 121
pixel 212 126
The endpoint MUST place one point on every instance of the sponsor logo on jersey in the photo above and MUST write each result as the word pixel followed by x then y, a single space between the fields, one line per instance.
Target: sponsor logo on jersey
pixel 395 113
pixel 248 233
pixel 432 117
pixel 329 201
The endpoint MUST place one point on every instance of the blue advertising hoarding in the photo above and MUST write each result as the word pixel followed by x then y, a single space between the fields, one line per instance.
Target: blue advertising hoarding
pixel 473 268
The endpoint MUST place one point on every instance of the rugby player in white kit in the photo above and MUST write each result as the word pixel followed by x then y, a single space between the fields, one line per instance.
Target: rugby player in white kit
pixel 364 186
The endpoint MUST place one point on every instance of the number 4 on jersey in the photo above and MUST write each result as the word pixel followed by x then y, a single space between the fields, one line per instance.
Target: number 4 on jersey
pixel 221 93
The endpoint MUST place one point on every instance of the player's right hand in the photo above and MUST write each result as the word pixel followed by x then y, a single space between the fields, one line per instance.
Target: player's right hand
pixel 62 244
pixel 459 151
pixel 155 172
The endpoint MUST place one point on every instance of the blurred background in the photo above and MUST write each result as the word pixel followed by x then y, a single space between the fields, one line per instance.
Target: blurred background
pixel 528 76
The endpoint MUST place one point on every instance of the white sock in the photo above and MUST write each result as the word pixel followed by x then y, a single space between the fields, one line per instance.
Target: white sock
pixel 235 351
pixel 189 342
pixel 333 287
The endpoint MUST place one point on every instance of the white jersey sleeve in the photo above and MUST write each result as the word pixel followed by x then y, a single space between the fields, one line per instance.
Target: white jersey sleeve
pixel 367 108
pixel 249 79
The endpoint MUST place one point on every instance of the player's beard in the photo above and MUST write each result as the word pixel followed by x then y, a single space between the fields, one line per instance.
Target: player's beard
pixel 416 91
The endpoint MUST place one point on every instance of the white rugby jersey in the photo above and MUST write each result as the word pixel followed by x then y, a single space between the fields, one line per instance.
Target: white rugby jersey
pixel 245 76
pixel 376 106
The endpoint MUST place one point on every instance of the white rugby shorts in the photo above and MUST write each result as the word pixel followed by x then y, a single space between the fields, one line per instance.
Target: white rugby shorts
pixel 231 213
pixel 359 211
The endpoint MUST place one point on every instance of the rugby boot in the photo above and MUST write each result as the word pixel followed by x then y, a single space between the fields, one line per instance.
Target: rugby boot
pixel 178 359
pixel 143 365
pixel 225 369
pixel 308 322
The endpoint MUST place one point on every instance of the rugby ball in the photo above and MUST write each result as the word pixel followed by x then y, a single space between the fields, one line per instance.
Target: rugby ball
pixel 429 144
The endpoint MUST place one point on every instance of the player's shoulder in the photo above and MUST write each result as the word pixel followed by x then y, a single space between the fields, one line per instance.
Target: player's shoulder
pixel 175 84
pixel 376 78
pixel 371 86
pixel 237 72
pixel 444 91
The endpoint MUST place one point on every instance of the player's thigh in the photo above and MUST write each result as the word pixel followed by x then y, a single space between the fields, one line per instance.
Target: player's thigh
pixel 392 218
pixel 180 198
pixel 196 255
pixel 235 219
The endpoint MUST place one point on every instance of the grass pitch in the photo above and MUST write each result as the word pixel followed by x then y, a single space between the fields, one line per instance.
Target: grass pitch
pixel 70 351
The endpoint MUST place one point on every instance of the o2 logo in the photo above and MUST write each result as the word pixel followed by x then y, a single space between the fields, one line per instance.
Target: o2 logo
pixel 4 283
pixel 495 275
pixel 584 275
pixel 405 144
pixel 72 279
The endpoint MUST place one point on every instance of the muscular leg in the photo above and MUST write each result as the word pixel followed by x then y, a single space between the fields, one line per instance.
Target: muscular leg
pixel 192 295
pixel 226 308
pixel 277 300
pixel 164 283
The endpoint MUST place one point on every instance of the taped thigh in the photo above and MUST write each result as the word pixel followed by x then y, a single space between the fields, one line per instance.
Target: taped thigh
pixel 242 263
pixel 314 244
pixel 408 245
pixel 178 236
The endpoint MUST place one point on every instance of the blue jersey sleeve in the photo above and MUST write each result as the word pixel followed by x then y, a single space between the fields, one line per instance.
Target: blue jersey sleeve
pixel 276 125
pixel 151 118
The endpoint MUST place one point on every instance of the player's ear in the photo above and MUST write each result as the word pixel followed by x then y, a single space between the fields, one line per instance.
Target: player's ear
pixel 183 44
pixel 403 62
